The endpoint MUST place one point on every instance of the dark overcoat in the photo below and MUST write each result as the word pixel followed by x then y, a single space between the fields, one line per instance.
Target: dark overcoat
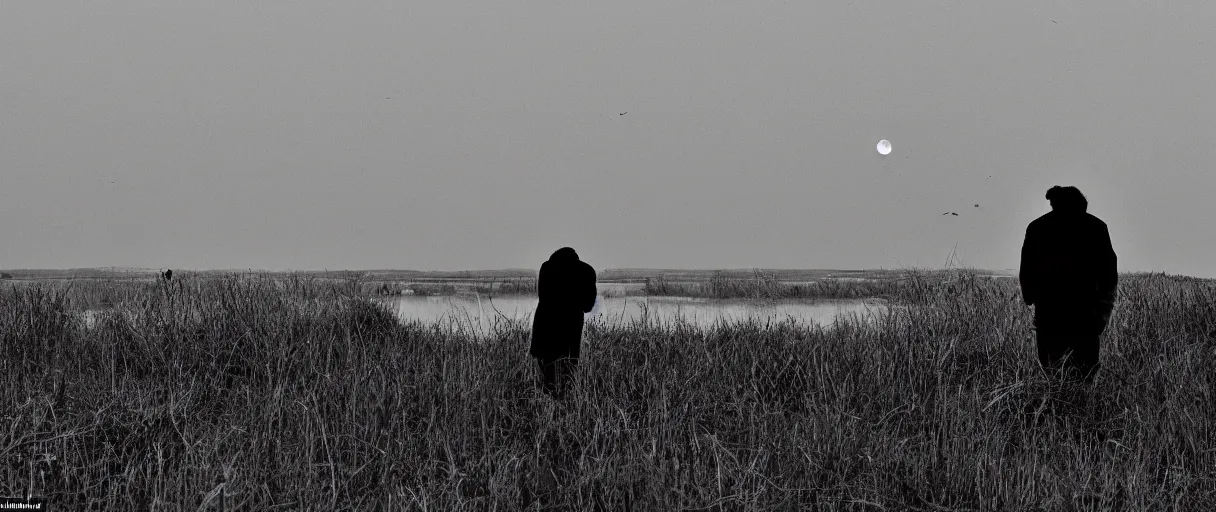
pixel 566 287
pixel 1068 272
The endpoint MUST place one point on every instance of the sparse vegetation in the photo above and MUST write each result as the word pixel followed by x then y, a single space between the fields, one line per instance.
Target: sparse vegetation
pixel 511 286
pixel 251 392
pixel 766 285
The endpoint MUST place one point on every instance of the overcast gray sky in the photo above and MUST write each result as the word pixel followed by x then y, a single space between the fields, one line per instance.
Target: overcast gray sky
pixel 457 135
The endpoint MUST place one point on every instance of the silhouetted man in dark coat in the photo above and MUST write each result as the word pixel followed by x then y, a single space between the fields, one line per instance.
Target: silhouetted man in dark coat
pixel 566 287
pixel 1068 275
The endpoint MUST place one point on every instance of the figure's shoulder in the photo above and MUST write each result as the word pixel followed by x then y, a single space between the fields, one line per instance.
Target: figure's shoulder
pixel 1095 221
pixel 1040 222
pixel 587 268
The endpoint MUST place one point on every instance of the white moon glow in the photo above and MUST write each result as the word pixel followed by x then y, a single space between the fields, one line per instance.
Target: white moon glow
pixel 884 147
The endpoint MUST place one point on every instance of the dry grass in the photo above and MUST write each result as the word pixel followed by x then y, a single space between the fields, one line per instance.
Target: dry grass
pixel 251 393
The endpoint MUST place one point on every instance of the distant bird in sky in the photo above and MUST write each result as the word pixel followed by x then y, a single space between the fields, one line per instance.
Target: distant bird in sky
pixel 951 213
pixel 622 113
pixel 977 205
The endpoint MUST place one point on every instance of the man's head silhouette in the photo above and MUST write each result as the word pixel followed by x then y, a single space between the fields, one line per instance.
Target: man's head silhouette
pixel 1067 199
pixel 565 253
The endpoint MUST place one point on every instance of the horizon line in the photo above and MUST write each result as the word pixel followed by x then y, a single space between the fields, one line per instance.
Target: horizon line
pixel 503 269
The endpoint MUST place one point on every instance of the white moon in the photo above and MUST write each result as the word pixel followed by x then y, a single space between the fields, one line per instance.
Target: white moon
pixel 884 147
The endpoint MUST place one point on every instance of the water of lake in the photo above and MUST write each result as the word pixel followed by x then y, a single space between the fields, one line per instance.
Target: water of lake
pixel 481 312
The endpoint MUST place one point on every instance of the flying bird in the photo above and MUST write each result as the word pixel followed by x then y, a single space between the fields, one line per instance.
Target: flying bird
pixel 951 213
pixel 622 113
pixel 977 205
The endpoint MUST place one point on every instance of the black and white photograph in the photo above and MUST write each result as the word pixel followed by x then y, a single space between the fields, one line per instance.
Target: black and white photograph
pixel 682 255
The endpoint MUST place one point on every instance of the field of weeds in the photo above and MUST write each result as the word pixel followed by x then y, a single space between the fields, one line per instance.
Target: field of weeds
pixel 260 393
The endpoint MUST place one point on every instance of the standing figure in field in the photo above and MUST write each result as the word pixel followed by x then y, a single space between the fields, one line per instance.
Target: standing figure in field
pixel 168 275
pixel 566 287
pixel 1068 274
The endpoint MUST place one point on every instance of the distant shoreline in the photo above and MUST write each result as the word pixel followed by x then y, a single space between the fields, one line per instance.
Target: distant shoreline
pixel 626 274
